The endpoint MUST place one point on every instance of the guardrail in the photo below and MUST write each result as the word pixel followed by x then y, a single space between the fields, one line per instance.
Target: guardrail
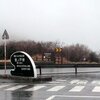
pixel 42 65
pixel 75 66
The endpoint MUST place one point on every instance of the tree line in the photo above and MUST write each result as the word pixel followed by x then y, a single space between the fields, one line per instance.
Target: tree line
pixel 72 53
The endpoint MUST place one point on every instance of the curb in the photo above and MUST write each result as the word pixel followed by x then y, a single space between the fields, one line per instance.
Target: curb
pixel 27 79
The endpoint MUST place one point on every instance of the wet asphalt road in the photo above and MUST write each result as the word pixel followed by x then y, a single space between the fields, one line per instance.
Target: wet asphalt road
pixel 84 86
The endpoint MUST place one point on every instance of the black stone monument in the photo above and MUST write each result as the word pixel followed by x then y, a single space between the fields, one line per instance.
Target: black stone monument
pixel 23 64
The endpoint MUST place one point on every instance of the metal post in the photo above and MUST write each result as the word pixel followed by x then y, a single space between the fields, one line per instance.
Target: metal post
pixel 5 36
pixel 76 69
pixel 5 56
pixel 40 70
pixel 61 58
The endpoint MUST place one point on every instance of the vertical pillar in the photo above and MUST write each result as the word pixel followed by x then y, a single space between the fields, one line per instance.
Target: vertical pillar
pixel 76 69
pixel 5 56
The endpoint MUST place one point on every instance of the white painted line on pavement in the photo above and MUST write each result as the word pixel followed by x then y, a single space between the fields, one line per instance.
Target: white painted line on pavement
pixel 35 88
pixel 82 82
pixel 96 89
pixel 76 89
pixel 78 81
pixel 76 96
pixel 60 80
pixel 15 87
pixel 74 81
pixel 56 88
pixel 96 82
pixel 4 85
pixel 54 82
pixel 71 96
pixel 51 97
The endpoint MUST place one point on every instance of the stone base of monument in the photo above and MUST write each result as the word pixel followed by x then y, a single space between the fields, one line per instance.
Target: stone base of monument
pixel 26 79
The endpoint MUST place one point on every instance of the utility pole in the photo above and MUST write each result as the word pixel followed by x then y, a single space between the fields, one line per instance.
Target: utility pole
pixel 5 36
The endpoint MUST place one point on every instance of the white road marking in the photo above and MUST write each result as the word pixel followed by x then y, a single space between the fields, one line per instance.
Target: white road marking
pixel 54 82
pixel 4 85
pixel 96 82
pixel 79 82
pixel 60 80
pixel 76 96
pixel 34 88
pixel 82 82
pixel 56 88
pixel 51 97
pixel 74 81
pixel 71 96
pixel 96 89
pixel 15 87
pixel 76 89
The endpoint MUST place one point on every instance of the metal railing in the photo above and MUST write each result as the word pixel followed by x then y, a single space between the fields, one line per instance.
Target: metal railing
pixel 75 66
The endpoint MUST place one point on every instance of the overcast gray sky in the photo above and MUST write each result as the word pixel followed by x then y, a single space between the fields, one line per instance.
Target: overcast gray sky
pixel 68 21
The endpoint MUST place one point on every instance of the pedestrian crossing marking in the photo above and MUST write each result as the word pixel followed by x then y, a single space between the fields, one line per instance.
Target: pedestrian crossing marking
pixel 79 82
pixel 82 82
pixel 74 81
pixel 54 82
pixel 60 80
pixel 15 87
pixel 4 85
pixel 57 81
pixel 77 89
pixel 56 88
pixel 51 97
pixel 96 89
pixel 79 85
pixel 34 88
pixel 96 82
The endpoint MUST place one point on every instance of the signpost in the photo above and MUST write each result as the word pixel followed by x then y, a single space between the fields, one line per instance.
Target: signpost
pixel 59 56
pixel 5 36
